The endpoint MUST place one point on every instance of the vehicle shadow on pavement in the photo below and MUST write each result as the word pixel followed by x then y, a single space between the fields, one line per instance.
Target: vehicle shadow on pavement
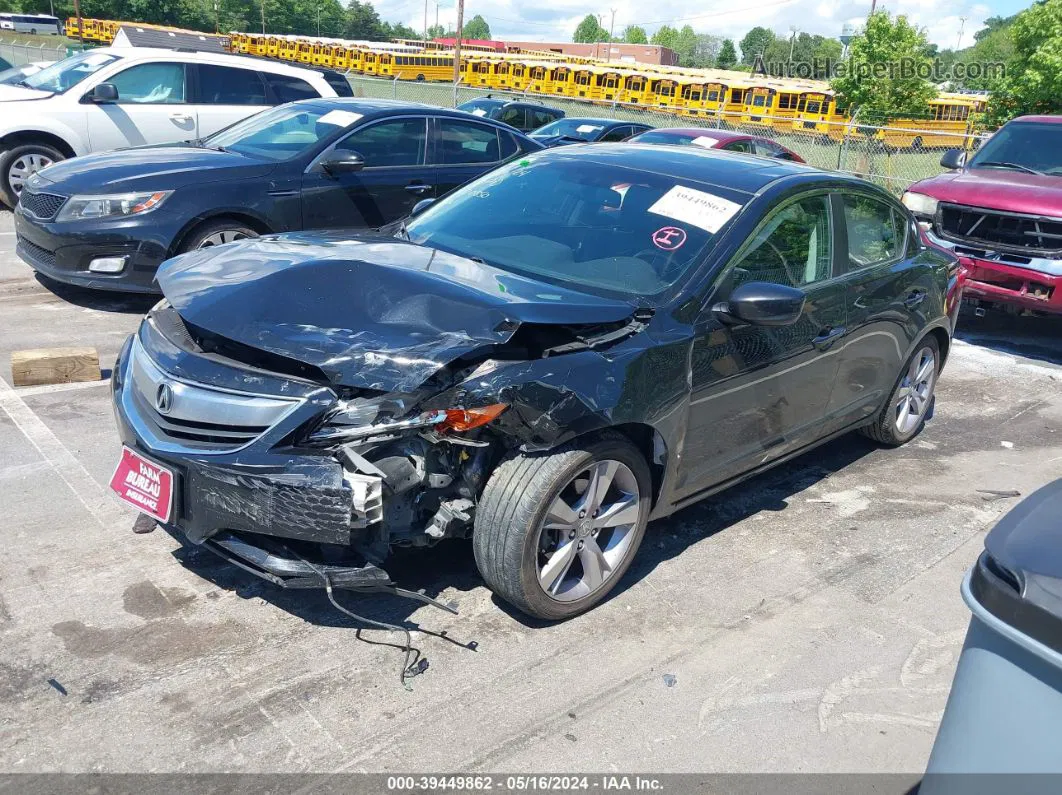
pixel 1037 338
pixel 99 300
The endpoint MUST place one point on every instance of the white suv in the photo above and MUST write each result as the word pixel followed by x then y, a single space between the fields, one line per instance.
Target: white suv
pixel 115 97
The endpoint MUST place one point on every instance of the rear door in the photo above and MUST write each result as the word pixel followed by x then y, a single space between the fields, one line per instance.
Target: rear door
pixel 890 289
pixel 462 150
pixel 760 392
pixel 617 134
pixel 396 176
pixel 152 108
pixel 226 94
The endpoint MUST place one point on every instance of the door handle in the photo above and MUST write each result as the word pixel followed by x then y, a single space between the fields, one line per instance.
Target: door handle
pixel 914 299
pixel 181 118
pixel 418 189
pixel 827 337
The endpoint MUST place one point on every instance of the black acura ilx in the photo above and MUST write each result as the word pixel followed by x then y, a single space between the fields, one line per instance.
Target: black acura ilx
pixel 582 341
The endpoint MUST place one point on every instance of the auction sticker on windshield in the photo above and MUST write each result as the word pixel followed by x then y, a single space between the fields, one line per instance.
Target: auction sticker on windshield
pixel 706 141
pixel 145 485
pixel 695 207
pixel 340 118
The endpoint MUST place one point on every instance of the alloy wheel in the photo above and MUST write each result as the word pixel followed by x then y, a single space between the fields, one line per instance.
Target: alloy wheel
pixel 588 530
pixel 23 168
pixel 916 391
pixel 222 237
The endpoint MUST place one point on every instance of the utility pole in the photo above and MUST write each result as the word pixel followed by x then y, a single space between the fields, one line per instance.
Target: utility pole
pixel 457 46
pixel 318 21
pixel 80 26
pixel 217 16
pixel 436 14
pixel 792 44
pixel 962 26
pixel 425 20
pixel 611 31
pixel 263 17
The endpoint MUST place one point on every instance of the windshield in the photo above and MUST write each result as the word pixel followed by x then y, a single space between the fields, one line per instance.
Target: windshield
pixel 581 129
pixel 281 133
pixel 481 107
pixel 661 137
pixel 598 227
pixel 65 74
pixel 1023 146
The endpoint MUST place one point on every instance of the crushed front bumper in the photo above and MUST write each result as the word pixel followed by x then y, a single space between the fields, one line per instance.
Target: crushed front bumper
pixel 1030 283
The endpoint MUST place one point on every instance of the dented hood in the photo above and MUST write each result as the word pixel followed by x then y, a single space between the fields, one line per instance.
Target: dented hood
pixel 372 313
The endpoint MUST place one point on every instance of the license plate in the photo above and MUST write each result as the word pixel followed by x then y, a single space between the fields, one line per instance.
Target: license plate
pixel 145 485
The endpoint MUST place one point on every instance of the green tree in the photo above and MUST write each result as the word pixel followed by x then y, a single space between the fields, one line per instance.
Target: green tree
pixel 633 34
pixel 727 57
pixel 590 30
pixel 875 82
pixel 436 32
pixel 754 44
pixel 363 22
pixel 706 50
pixel 666 36
pixel 477 28
pixel 685 45
pixel 1033 83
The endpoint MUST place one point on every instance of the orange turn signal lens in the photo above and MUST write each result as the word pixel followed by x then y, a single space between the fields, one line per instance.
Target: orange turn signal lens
pixel 461 420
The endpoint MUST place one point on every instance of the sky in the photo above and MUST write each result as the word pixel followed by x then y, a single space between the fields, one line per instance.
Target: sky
pixel 556 20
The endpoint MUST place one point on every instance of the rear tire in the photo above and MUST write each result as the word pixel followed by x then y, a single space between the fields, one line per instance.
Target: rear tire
pixel 530 540
pixel 216 233
pixel 911 400
pixel 21 162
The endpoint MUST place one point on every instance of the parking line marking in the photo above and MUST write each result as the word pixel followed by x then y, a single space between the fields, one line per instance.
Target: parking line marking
pixel 91 494
pixel 47 389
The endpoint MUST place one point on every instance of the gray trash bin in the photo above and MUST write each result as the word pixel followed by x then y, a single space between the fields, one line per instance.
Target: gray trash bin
pixel 1004 714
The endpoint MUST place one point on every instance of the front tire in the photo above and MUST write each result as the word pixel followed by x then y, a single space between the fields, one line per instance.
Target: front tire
pixel 19 163
pixel 216 233
pixel 555 532
pixel 904 414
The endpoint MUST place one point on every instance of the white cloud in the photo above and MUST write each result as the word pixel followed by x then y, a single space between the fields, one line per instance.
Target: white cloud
pixel 556 20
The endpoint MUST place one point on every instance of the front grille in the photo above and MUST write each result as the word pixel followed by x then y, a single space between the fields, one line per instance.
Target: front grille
pixel 1008 231
pixel 35 253
pixel 198 417
pixel 42 206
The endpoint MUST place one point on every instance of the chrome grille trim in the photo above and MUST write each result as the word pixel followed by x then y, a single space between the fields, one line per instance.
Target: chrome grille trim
pixel 203 419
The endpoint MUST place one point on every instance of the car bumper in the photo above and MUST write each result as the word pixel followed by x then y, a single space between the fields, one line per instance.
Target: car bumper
pixel 1023 286
pixel 64 251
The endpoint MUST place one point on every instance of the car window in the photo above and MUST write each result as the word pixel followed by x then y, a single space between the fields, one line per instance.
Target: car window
pixel 738 146
pixel 540 118
pixel 603 227
pixel 67 73
pixel 339 84
pixel 399 142
pixel 617 134
pixel 281 133
pixel 765 148
pixel 511 116
pixel 793 247
pixel 509 145
pixel 290 89
pixel 151 83
pixel 875 231
pixel 226 85
pixel 463 142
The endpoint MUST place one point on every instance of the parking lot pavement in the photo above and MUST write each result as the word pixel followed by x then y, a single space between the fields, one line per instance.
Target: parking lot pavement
pixel 806 621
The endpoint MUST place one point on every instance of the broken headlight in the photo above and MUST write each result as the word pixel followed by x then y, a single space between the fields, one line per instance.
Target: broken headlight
pixel 355 422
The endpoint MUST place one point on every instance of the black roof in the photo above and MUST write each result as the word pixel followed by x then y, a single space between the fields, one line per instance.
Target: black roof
pixel 174 39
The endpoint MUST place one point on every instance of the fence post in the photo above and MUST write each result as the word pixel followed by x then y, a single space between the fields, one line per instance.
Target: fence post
pixel 844 139
pixel 394 86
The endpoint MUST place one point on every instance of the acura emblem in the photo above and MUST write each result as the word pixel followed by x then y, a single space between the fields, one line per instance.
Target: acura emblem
pixel 164 398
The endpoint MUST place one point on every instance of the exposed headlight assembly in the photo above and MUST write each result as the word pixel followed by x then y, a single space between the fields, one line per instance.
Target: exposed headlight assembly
pixel 338 430
pixel 117 205
pixel 920 204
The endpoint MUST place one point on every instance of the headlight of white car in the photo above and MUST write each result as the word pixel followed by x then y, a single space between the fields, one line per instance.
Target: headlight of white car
pixel 920 204
pixel 117 205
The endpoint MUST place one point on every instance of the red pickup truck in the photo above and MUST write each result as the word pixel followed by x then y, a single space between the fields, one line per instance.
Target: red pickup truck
pixel 1000 212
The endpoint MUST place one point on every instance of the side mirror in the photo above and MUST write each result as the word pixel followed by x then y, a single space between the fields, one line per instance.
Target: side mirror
pixel 104 92
pixel 762 304
pixel 953 159
pixel 343 163
pixel 421 206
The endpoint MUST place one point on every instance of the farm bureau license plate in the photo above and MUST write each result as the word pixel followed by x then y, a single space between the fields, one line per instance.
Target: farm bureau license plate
pixel 145 485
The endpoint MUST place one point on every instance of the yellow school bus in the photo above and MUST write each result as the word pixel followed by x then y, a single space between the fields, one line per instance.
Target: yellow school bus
pixel 422 67
pixel 560 80
pixel 288 49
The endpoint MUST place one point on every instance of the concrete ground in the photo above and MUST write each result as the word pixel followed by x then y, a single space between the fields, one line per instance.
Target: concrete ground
pixel 806 621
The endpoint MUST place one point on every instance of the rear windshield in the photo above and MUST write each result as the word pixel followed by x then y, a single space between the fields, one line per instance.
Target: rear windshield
pixel 579 129
pixel 657 137
pixel 339 84
pixel 593 226
pixel 1023 146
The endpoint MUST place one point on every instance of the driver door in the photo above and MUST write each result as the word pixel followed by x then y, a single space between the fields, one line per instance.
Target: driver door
pixel 152 108
pixel 760 392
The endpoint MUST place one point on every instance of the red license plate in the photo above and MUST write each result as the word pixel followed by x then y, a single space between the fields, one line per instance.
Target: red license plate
pixel 145 485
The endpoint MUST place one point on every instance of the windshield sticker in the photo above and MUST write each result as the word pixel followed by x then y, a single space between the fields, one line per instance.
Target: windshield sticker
pixel 588 128
pixel 479 112
pixel 707 141
pixel 696 208
pixel 340 118
pixel 669 238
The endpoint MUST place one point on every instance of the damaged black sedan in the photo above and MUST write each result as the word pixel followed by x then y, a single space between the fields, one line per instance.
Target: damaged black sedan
pixel 544 361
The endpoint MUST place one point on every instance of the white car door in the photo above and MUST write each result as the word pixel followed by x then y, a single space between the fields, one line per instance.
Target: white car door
pixel 227 94
pixel 151 108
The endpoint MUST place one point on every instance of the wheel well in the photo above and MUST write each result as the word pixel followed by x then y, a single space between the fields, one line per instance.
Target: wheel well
pixel 943 342
pixel 37 136
pixel 247 220
pixel 652 447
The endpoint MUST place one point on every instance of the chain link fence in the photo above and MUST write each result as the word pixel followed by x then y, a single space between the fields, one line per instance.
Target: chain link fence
pixel 18 52
pixel 892 157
